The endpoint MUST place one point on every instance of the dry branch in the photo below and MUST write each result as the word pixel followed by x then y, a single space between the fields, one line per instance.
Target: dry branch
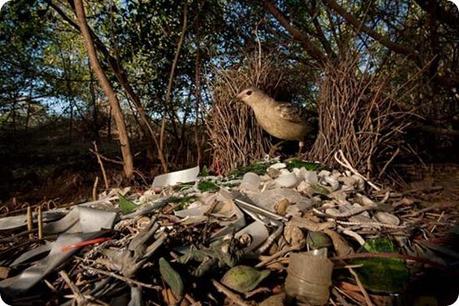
pixel 358 115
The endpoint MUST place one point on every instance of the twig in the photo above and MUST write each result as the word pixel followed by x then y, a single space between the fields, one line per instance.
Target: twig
pixel 359 283
pixel 79 298
pixel 438 220
pixel 40 223
pixel 99 160
pixel 277 255
pixel 231 295
pixel 122 278
pixel 388 163
pixel 346 164
pixel 94 189
pixel 371 224
pixel 29 221
pixel 347 214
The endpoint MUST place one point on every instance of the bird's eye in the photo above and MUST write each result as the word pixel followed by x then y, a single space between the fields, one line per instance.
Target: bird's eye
pixel 249 93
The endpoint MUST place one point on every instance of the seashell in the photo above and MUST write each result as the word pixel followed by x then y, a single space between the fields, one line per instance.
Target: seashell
pixel 243 278
pixel 287 180
pixel 250 182
pixel 387 218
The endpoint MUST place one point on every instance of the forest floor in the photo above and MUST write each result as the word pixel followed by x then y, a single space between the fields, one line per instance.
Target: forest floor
pixel 43 167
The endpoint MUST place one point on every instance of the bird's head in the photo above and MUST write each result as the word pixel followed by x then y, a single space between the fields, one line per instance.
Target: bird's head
pixel 251 95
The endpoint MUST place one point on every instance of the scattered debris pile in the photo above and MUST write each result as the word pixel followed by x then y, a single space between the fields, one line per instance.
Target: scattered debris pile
pixel 269 234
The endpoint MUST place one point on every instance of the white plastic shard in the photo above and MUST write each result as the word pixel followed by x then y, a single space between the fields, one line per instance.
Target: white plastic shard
pixel 258 234
pixel 58 254
pixel 27 256
pixel 173 178
pixel 82 219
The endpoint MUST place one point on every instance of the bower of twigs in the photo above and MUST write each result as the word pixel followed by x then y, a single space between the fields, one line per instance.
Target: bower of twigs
pixel 235 137
pixel 358 114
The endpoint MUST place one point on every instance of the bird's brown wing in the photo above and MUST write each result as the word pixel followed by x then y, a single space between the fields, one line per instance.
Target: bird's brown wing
pixel 290 112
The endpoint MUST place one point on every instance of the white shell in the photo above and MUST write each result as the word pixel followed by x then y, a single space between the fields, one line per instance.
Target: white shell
pixel 287 180
pixel 250 182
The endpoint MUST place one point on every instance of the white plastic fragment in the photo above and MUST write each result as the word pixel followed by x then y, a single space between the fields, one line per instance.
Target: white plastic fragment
pixel 173 178
pixel 257 232
pixel 58 254
pixel 278 166
pixel 82 219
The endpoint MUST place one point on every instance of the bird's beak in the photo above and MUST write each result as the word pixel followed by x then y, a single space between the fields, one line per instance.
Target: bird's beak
pixel 240 95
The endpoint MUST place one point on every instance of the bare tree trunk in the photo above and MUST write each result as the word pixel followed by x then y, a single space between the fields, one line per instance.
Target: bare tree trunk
pixel 120 74
pixel 170 83
pixel 128 165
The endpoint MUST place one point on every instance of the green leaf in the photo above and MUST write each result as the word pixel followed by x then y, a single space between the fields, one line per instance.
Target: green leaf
pixel 385 275
pixel 208 186
pixel 171 277
pixel 243 278
pixel 257 168
pixel 379 245
pixel 297 163
pixel 125 205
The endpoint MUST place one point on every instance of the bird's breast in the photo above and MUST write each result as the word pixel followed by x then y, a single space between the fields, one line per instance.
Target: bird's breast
pixel 278 127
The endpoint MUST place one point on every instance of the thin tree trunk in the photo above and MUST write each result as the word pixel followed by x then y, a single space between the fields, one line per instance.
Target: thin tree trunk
pixel 170 83
pixel 128 165
pixel 120 74
pixel 198 104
